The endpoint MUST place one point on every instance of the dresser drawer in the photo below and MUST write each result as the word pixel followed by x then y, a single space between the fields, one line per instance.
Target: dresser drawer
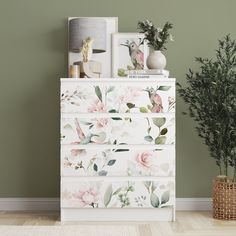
pixel 117 161
pixel 82 98
pixel 153 98
pixel 113 97
pixel 117 194
pixel 118 130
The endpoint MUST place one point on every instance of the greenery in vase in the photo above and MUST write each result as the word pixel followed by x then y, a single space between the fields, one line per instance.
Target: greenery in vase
pixel 211 98
pixel 156 37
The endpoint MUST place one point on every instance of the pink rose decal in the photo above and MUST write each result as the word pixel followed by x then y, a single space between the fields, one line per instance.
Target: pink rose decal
pixel 87 197
pixel 130 94
pixel 97 106
pixel 145 160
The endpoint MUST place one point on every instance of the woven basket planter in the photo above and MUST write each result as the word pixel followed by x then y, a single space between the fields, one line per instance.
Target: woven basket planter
pixel 224 200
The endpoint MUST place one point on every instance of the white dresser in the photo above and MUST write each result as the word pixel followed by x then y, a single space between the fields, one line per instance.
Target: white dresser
pixel 118 149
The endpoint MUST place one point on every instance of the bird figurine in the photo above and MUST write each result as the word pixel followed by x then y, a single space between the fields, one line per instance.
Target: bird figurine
pixel 136 55
pixel 155 99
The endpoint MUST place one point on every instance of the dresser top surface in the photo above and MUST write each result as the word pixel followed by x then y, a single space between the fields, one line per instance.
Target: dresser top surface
pixel 118 80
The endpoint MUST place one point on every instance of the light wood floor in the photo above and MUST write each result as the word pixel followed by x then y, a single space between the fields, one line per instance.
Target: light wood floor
pixel 187 223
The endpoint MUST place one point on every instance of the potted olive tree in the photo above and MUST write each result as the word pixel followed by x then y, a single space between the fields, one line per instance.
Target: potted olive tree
pixel 211 98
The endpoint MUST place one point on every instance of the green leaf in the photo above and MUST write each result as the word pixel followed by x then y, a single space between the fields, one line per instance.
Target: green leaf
pixel 130 105
pixel 148 138
pixel 102 173
pixel 153 186
pixel 110 89
pixel 121 150
pixel 98 93
pixel 160 140
pixel 149 107
pixel 148 130
pixel 165 197
pixel 159 121
pixel 164 131
pixel 111 162
pixel 116 118
pixel 113 111
pixel 121 72
pixel 117 191
pixel 164 88
pixel 143 109
pixel 154 200
pixel 95 167
pixel 115 142
pixel 67 126
pixel 108 195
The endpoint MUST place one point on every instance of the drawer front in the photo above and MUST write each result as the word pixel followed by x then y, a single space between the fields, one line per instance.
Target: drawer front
pixel 112 194
pixel 118 161
pixel 118 130
pixel 145 97
pixel 76 98
pixel 134 99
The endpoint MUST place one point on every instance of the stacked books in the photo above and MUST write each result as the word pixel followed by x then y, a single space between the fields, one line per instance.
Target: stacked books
pixel 145 74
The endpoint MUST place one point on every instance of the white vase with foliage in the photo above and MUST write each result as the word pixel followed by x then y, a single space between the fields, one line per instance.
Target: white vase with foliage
pixel 156 38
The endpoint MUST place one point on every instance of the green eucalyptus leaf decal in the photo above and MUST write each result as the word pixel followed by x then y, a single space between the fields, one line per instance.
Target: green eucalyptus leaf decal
pixel 110 89
pixel 68 126
pixel 153 187
pixel 154 200
pixel 148 138
pixel 95 167
pixel 116 118
pixel 117 191
pixel 108 195
pixel 130 105
pixel 113 111
pixel 165 197
pixel 111 162
pixel 121 150
pixel 159 121
pixel 164 131
pixel 143 109
pixel 98 93
pixel 160 140
pixel 164 88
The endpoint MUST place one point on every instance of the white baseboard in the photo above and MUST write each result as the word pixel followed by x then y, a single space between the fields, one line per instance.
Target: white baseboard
pixel 53 204
pixel 29 204
pixel 193 204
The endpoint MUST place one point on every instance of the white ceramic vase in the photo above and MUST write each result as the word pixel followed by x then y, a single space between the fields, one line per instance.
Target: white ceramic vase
pixel 156 60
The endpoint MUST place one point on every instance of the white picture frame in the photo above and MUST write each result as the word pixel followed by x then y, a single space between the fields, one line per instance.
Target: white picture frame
pixel 106 57
pixel 123 62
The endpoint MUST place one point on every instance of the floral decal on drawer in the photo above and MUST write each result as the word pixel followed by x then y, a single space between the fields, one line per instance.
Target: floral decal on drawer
pixel 117 162
pixel 126 99
pixel 118 99
pixel 125 194
pixel 117 130
pixel 83 99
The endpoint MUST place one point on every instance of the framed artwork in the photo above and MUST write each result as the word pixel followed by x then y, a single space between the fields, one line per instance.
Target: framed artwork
pixel 129 53
pixel 104 58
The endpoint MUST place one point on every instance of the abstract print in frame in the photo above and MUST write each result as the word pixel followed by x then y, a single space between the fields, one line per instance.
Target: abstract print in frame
pixel 129 53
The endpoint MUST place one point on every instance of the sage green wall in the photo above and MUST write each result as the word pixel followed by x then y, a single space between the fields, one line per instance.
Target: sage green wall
pixel 33 56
